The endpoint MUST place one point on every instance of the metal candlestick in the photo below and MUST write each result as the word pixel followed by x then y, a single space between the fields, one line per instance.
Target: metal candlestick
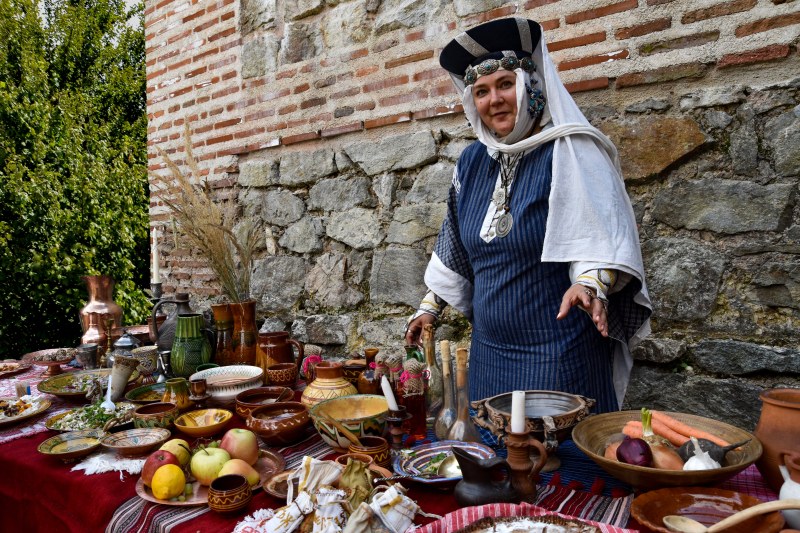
pixel 522 467
pixel 395 420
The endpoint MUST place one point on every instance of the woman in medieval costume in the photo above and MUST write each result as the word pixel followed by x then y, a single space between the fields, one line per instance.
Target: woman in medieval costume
pixel 538 222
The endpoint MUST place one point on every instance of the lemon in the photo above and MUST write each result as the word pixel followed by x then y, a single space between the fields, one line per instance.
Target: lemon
pixel 168 481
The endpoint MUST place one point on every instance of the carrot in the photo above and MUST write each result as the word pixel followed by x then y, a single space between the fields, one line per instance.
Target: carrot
pixel 634 430
pixel 686 429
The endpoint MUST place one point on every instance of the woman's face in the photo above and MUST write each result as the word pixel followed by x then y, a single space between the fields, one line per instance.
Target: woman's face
pixel 495 98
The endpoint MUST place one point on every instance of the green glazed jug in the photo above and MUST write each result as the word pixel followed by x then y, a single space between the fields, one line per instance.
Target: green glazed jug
pixel 192 345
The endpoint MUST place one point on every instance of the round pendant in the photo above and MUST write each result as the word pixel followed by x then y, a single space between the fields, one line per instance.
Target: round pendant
pixel 504 224
pixel 499 197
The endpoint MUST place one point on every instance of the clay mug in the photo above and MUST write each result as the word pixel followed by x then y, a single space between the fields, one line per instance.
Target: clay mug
pixel 778 429
pixel 282 375
pixel 230 493
pixel 790 470
pixel 275 348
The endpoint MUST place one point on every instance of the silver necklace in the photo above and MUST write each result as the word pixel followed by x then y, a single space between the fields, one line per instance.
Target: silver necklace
pixel 508 165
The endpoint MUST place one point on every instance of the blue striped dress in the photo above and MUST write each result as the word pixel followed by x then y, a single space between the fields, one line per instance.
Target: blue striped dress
pixel 517 343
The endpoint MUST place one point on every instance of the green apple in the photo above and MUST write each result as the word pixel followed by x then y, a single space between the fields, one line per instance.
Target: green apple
pixel 207 463
pixel 180 448
pixel 241 444
pixel 237 466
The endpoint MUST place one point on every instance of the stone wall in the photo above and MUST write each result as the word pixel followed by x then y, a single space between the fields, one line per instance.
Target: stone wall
pixel 332 123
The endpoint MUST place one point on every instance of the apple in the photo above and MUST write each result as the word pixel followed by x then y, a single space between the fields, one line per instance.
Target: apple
pixel 155 460
pixel 207 463
pixel 241 444
pixel 180 448
pixel 237 466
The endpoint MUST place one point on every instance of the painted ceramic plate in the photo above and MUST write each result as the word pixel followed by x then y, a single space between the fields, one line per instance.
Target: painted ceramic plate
pixel 268 464
pixel 420 457
pixel 71 445
pixel 38 406
pixel 147 393
pixel 11 367
pixel 75 384
pixel 136 441
pixel 51 356
pixel 57 422
pixel 533 523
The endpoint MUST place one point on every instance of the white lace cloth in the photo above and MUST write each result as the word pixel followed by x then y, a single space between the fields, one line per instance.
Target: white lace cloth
pixel 100 463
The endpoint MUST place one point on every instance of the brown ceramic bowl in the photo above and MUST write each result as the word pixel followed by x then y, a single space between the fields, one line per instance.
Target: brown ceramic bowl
pixel 229 494
pixel 279 423
pixel 136 441
pixel 707 505
pixel 353 368
pixel 282 375
pixel 345 457
pixel 593 434
pixel 248 400
pixel 155 415
pixel 375 447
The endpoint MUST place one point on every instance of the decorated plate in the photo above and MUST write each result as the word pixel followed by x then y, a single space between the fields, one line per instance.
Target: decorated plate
pixel 71 445
pixel 530 523
pixel 268 464
pixel 51 356
pixel 9 367
pixel 13 410
pixel 75 384
pixel 418 459
pixel 147 393
pixel 136 441
pixel 86 417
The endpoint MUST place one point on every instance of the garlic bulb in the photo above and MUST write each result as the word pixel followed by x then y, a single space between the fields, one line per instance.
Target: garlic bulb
pixel 700 460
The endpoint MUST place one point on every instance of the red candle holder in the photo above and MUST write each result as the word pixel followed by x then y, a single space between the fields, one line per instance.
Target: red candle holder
pixel 395 420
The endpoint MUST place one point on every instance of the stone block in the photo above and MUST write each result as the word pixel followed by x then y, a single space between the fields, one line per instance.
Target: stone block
pixel 659 350
pixel 358 227
pixel 300 42
pixel 385 187
pixel 394 153
pixel 326 283
pixel 743 148
pixel 782 133
pixel 258 173
pixel 386 332
pixel 300 9
pixel 343 26
pixel 736 358
pixel 713 97
pixel 340 194
pixel 404 14
pixel 304 236
pixel 272 324
pixel 260 56
pixel 413 223
pixel 257 14
pixel 646 106
pixel 281 207
pixel 325 329
pixel 304 168
pixel 279 282
pixel 431 184
pixel 397 276
pixel 470 7
pixel 454 149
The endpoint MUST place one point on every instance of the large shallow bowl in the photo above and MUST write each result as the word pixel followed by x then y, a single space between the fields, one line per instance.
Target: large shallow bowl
pixel 223 383
pixel 279 423
pixel 136 441
pixel 362 414
pixel 593 434
pixel 74 385
pixel 417 462
pixel 147 393
pixel 71 445
pixel 253 398
pixel 550 415
pixel 707 505
pixel 203 422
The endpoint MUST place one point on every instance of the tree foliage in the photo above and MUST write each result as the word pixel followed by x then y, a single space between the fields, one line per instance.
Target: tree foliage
pixel 73 165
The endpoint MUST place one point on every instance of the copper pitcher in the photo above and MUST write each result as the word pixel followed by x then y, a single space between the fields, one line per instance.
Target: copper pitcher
pixel 101 314
pixel 276 347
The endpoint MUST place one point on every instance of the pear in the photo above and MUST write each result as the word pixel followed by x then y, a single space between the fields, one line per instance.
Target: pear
pixel 238 466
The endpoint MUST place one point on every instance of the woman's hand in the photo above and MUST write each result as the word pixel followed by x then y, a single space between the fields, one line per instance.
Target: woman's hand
pixel 414 329
pixel 585 297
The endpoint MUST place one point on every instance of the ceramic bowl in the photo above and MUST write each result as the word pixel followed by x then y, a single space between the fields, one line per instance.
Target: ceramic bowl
pixel 279 423
pixel 136 441
pixel 409 465
pixel 155 415
pixel 707 505
pixel 345 457
pixel 250 399
pixel 592 435
pixel 146 393
pixel 229 494
pixel 352 368
pixel 375 447
pixel 203 422
pixel 282 375
pixel 362 414
pixel 225 382
pixel 71 445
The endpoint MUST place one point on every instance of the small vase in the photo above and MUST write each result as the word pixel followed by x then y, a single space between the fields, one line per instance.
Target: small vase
pixel 101 310
pixel 245 333
pixel 330 383
pixel 120 374
pixel 177 392
pixel 369 381
pixel 223 333
pixel 191 346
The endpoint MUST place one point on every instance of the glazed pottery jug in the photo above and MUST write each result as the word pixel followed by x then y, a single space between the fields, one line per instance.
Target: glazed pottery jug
pixel 369 381
pixel 223 333
pixel 99 312
pixel 177 391
pixel 192 345
pixel 790 470
pixel 778 429
pixel 330 383
pixel 165 334
pixel 245 333
pixel 484 480
pixel 276 347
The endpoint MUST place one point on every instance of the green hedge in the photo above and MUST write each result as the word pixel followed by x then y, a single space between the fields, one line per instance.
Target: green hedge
pixel 73 165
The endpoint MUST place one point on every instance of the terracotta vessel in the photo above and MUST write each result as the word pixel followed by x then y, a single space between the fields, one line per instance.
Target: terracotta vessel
pixel 282 375
pixel 778 430
pixel 369 380
pixel 352 369
pixel 191 346
pixel 523 469
pixel 223 333
pixel 165 334
pixel 279 423
pixel 484 481
pixel 276 347
pixel 330 383
pixel 229 494
pixel 375 447
pixel 245 333
pixel 790 470
pixel 177 392
pixel 101 314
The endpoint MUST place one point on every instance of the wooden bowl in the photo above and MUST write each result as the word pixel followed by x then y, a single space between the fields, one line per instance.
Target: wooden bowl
pixel 252 398
pixel 280 423
pixel 707 505
pixel 71 445
pixel 136 441
pixel 362 414
pixel 203 422
pixel 155 415
pixel 229 494
pixel 592 434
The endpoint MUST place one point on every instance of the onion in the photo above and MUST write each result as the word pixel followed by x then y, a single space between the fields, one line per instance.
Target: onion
pixel 635 452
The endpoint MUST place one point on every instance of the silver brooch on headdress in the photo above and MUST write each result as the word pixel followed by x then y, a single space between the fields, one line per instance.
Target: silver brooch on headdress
pixel 490 66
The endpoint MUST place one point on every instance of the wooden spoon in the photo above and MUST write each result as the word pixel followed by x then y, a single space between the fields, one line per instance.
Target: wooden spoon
pixel 687 525
pixel 343 430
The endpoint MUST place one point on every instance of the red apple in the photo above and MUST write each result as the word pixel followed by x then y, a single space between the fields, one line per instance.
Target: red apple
pixel 155 460
pixel 241 444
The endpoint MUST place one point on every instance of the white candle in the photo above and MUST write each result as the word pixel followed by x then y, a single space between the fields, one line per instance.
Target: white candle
pixel 387 391
pixel 156 267
pixel 518 411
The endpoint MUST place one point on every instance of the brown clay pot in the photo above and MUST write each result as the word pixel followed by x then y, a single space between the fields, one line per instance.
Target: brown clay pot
pixel 778 430
pixel 375 447
pixel 330 383
pixel 229 494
